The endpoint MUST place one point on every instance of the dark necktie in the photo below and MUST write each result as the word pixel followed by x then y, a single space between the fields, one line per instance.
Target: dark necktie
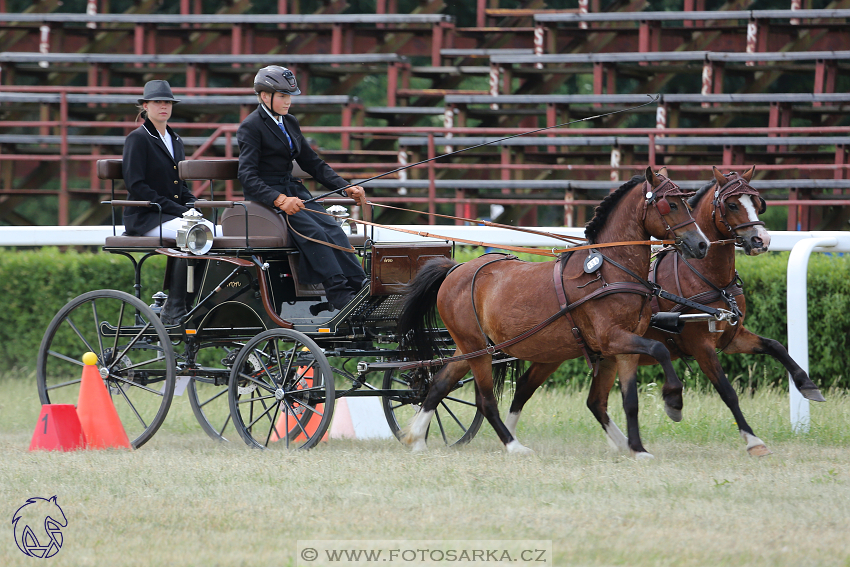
pixel 285 133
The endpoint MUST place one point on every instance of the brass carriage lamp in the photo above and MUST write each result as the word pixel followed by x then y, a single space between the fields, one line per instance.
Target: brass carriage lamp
pixel 194 236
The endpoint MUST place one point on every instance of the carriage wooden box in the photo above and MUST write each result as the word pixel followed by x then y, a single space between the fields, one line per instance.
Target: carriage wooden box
pixel 394 265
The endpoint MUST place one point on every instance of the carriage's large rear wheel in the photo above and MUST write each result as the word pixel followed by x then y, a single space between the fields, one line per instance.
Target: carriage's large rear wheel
pixel 281 391
pixel 134 356
pixel 207 391
pixel 456 420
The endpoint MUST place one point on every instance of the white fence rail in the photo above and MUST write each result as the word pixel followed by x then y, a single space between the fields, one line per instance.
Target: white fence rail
pixel 800 244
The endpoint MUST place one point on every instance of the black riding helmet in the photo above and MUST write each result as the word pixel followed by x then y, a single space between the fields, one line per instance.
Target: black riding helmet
pixel 275 79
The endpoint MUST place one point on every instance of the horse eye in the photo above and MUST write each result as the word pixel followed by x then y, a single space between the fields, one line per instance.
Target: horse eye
pixel 732 206
pixel 674 206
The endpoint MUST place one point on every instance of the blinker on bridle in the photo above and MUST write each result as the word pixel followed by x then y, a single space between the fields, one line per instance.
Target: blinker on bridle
pixel 658 198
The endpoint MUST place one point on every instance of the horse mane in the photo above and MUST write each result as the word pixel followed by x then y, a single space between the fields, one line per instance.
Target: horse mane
pixel 603 210
pixel 694 201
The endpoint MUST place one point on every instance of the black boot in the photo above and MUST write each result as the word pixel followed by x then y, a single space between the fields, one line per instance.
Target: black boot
pixel 175 305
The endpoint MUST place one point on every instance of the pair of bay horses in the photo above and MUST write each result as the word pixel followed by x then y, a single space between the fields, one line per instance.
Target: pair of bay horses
pixel 607 303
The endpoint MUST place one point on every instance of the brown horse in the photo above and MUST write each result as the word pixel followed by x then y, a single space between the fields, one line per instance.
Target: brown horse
pixel 499 299
pixel 725 208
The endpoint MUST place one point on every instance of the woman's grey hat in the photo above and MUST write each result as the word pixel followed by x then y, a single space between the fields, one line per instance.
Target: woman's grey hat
pixel 157 90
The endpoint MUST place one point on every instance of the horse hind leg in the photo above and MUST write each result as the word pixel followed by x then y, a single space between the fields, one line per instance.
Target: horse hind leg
pixel 527 384
pixel 482 370
pixel 414 434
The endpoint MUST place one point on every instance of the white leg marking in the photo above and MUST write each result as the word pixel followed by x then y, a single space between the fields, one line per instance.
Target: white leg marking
pixel 415 436
pixel 644 456
pixel 755 446
pixel 511 422
pixel 517 448
pixel 615 437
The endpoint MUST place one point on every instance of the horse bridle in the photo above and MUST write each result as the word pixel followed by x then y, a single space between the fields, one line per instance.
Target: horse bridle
pixel 657 196
pixel 733 188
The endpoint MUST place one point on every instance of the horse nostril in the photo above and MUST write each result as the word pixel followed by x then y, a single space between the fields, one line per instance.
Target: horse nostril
pixel 702 246
pixel 757 242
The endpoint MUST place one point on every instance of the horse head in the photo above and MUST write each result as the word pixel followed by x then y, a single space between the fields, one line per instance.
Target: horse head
pixel 666 215
pixel 735 210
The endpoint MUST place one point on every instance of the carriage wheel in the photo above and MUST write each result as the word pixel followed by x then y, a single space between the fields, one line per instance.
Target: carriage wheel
pixel 208 392
pixel 134 356
pixel 457 418
pixel 281 391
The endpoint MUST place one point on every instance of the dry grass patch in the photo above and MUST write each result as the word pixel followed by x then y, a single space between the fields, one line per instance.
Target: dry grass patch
pixel 183 500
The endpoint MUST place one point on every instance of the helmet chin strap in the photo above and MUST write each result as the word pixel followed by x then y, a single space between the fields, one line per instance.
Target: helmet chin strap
pixel 271 111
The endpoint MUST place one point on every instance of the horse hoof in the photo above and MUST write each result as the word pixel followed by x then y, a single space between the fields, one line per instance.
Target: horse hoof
pixel 418 446
pixel 673 413
pixel 759 451
pixel 643 456
pixel 517 448
pixel 813 394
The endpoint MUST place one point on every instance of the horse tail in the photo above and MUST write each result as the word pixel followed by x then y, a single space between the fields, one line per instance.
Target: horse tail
pixel 511 370
pixel 419 314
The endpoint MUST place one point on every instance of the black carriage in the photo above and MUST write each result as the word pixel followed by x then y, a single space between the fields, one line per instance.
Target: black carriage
pixel 253 358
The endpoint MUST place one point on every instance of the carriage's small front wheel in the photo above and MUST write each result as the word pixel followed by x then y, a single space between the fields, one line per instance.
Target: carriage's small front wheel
pixel 456 420
pixel 281 391
pixel 134 357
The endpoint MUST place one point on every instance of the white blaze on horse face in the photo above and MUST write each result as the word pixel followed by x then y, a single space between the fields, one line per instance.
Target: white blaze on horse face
pixel 749 204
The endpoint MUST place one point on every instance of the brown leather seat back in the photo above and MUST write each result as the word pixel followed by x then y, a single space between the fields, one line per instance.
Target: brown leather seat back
pixel 262 221
pixel 203 169
pixel 109 169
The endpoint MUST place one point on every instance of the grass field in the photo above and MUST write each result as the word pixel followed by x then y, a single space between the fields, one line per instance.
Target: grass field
pixel 184 500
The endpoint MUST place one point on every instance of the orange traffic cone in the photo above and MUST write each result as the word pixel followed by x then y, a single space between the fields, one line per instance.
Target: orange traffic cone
pixel 58 429
pixel 98 416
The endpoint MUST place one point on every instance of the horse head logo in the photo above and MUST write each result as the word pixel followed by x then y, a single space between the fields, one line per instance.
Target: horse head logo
pixel 38 527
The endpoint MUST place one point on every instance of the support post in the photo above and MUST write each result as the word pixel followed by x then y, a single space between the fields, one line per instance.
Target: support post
pixel 798 324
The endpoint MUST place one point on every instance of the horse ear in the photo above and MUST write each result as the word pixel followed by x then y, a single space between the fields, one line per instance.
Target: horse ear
pixel 718 177
pixel 650 176
pixel 747 175
pixel 663 171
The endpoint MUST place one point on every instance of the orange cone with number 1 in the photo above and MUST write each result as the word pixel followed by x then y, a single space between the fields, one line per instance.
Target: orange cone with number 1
pixel 97 413
pixel 58 429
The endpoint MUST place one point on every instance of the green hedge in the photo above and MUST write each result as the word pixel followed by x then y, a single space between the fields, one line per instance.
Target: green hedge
pixel 34 285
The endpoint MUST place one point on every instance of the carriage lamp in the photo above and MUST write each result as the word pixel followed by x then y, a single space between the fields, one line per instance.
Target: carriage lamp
pixel 341 214
pixel 194 236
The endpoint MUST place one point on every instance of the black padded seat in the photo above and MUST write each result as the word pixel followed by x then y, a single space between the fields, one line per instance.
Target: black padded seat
pixel 140 242
pixel 262 222
pixel 255 242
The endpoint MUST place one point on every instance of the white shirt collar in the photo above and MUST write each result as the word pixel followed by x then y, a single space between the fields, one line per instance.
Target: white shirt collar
pixel 278 119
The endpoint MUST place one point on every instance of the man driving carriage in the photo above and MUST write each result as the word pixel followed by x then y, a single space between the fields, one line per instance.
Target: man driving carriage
pixel 269 140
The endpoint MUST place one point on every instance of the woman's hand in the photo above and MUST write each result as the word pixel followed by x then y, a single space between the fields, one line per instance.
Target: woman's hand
pixel 358 194
pixel 289 205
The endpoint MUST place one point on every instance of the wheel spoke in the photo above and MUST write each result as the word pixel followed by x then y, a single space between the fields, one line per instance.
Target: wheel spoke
pixel 140 364
pixel 117 333
pixel 136 384
pixel 264 385
pixel 134 341
pixel 97 329
pixel 132 407
pixel 65 358
pixel 459 401
pixel 253 399
pixel 272 426
pixel 82 338
pixel 221 431
pixel 440 425
pixel 259 417
pixel 297 421
pixel 451 413
pixel 63 384
pixel 221 393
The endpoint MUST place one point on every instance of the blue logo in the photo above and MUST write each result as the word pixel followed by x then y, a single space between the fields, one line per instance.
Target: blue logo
pixel 38 527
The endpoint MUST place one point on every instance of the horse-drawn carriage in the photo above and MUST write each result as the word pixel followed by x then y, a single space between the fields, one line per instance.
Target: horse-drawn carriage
pixel 252 357
pixel 255 358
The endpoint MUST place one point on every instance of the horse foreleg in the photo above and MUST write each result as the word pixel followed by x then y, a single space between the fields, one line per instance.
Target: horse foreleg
pixel 525 388
pixel 708 362
pixel 482 370
pixel 597 403
pixel 672 389
pixel 627 369
pixel 750 343
pixel 442 383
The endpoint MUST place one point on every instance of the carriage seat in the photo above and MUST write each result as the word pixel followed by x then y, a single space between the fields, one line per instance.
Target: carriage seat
pixel 263 222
